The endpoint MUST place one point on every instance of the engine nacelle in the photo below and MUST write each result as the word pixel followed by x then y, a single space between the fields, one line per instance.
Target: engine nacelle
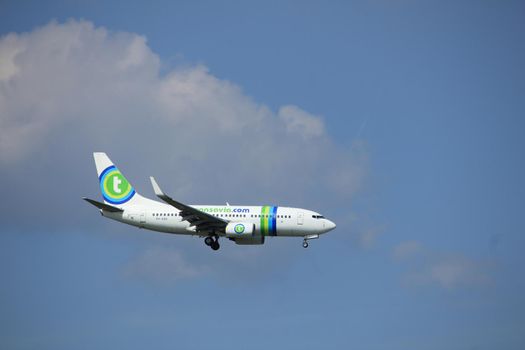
pixel 239 229
pixel 258 239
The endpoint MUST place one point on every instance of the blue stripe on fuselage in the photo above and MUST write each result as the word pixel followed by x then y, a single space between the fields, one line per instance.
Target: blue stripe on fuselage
pixel 272 222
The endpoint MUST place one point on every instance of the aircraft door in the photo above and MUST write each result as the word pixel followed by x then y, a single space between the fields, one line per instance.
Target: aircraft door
pixel 300 218
pixel 137 217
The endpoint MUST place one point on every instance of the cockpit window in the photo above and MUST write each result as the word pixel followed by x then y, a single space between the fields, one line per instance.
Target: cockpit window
pixel 318 216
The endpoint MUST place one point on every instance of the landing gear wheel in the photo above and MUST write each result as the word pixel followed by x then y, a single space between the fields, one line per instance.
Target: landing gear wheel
pixel 215 245
pixel 208 241
pixel 305 244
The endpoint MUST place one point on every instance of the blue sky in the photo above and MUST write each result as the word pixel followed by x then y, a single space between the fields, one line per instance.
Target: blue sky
pixel 400 120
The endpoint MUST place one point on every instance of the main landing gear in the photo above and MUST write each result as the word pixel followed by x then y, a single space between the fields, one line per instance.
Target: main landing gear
pixel 213 242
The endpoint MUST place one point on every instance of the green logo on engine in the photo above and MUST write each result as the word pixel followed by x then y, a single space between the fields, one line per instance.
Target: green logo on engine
pixel 239 228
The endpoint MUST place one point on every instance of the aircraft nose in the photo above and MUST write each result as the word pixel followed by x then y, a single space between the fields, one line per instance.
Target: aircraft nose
pixel 330 225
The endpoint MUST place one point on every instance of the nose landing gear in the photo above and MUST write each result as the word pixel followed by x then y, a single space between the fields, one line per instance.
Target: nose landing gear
pixel 213 242
pixel 307 238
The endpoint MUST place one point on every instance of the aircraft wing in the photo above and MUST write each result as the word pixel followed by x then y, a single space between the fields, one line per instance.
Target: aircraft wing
pixel 202 221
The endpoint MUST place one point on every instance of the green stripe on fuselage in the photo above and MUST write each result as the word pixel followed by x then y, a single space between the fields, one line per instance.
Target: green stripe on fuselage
pixel 265 211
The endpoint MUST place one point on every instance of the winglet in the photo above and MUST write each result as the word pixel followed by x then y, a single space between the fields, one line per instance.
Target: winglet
pixel 156 188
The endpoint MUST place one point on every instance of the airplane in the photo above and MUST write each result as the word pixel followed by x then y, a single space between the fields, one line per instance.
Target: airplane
pixel 245 225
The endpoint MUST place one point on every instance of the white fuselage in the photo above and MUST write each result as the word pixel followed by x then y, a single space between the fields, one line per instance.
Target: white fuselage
pixel 267 220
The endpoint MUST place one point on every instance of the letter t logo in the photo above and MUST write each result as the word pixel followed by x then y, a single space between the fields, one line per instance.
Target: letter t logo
pixel 116 183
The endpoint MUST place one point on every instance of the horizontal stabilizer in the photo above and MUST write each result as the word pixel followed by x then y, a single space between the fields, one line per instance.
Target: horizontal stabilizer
pixel 103 206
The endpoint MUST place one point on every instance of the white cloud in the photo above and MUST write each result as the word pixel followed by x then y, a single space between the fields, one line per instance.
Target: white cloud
pixel 64 75
pixel 68 89
pixel 301 122
pixel 452 272
pixel 8 51
pixel 406 249
pixel 77 74
pixel 368 237
pixel 163 265
pixel 172 261
pixel 448 271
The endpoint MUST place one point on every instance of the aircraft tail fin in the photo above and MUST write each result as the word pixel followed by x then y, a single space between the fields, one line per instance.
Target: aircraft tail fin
pixel 115 188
